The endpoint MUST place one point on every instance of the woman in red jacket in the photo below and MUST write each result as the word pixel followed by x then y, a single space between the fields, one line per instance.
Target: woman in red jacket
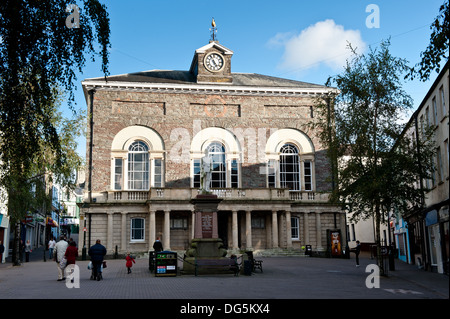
pixel 71 253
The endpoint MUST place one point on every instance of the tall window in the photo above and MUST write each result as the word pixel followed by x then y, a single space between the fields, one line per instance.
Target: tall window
pixel 271 173
pixel 138 166
pixel 118 173
pixel 295 228
pixel 234 174
pixel 137 229
pixel 435 111
pixel 289 168
pixel 218 165
pixel 157 173
pixel 222 174
pixel 308 175
pixel 443 108
pixel 196 173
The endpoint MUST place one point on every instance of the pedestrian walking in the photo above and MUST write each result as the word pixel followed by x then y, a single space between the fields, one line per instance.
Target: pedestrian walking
pixel 27 251
pixel 157 246
pixel 357 250
pixel 71 255
pixel 2 250
pixel 130 260
pixel 51 247
pixel 58 255
pixel 97 253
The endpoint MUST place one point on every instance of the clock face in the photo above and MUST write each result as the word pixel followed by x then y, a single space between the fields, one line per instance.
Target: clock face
pixel 214 62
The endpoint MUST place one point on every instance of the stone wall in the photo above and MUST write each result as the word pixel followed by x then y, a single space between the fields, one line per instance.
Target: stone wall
pixel 178 117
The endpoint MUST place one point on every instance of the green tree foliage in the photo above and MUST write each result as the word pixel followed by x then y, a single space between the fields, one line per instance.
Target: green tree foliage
pixel 438 47
pixel 376 167
pixel 43 44
pixel 39 53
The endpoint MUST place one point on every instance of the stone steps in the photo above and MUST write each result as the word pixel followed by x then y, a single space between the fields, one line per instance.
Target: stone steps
pixel 280 252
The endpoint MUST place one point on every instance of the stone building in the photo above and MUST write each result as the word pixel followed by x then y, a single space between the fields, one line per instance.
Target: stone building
pixel 149 130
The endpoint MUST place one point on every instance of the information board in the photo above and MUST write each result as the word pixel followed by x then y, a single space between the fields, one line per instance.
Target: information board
pixel 165 263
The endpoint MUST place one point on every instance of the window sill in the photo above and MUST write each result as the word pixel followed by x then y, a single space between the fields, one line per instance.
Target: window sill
pixel 137 241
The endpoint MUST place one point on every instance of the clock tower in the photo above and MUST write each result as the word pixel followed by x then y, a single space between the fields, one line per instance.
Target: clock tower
pixel 212 63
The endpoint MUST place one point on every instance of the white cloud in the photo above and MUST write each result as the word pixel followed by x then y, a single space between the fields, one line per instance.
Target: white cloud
pixel 322 43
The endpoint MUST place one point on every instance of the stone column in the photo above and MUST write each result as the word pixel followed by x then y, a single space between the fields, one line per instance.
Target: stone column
pixel 274 229
pixel 166 242
pixel 288 229
pixel 306 240
pixel 318 232
pixel 343 228
pixel 123 232
pixel 234 230
pixel 151 229
pixel 81 233
pixel 248 229
pixel 109 244
pixel 192 224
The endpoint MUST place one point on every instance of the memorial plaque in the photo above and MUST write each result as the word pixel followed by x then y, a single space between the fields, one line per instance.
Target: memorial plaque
pixel 207 225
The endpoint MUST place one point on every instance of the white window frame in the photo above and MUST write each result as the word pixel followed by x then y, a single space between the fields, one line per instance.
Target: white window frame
pixel 295 226
pixel 132 229
pixel 118 176
pixel 227 172
pixel 218 158
pixel 296 168
pixel 132 164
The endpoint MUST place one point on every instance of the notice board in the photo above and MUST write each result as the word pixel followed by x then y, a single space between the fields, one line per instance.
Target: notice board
pixel 165 263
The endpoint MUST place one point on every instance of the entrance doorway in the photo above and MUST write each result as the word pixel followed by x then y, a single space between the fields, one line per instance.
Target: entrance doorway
pixel 435 248
pixel 222 225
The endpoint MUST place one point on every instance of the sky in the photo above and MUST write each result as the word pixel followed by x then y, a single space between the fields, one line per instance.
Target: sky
pixel 298 40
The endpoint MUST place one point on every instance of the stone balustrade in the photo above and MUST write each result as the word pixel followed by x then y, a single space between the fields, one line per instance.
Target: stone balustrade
pixel 186 194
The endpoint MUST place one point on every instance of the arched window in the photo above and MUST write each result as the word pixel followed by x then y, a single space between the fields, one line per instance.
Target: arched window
pixel 137 159
pixel 290 158
pixel 138 166
pixel 290 168
pixel 216 152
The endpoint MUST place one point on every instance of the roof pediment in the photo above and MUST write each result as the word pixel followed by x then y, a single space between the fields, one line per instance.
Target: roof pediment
pixel 216 45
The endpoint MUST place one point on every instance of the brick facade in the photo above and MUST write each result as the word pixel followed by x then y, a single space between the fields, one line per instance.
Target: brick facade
pixel 177 110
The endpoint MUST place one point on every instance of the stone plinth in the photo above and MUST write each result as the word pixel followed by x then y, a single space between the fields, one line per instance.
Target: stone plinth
pixel 206 244
pixel 205 208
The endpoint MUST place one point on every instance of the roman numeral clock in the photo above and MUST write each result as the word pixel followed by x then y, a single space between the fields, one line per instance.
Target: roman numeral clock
pixel 212 62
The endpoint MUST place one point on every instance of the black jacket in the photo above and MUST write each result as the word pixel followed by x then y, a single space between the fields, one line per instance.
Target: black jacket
pixel 97 252
pixel 157 246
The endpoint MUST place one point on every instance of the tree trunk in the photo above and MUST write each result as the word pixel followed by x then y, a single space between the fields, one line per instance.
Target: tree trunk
pixel 16 249
pixel 378 239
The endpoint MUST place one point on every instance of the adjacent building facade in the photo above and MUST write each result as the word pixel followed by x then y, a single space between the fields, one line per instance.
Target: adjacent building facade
pixel 148 132
pixel 423 236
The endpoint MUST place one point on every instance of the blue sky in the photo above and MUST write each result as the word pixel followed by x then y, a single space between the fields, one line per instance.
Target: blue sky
pixel 277 38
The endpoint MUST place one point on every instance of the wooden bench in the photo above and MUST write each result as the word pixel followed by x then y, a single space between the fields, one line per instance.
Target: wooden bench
pixel 255 263
pixel 225 264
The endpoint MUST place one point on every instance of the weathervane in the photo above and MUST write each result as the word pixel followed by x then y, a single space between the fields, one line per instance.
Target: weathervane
pixel 213 30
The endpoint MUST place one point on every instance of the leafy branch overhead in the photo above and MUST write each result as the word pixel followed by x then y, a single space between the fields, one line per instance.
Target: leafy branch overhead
pixel 40 55
pixel 438 48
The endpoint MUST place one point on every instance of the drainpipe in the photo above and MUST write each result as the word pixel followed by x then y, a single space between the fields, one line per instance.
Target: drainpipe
pixel 91 143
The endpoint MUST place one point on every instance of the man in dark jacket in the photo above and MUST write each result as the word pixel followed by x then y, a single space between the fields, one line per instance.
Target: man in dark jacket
pixel 97 253
pixel 157 246
pixel 357 250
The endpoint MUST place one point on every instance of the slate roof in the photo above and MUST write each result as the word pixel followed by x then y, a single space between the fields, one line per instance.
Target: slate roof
pixel 187 78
